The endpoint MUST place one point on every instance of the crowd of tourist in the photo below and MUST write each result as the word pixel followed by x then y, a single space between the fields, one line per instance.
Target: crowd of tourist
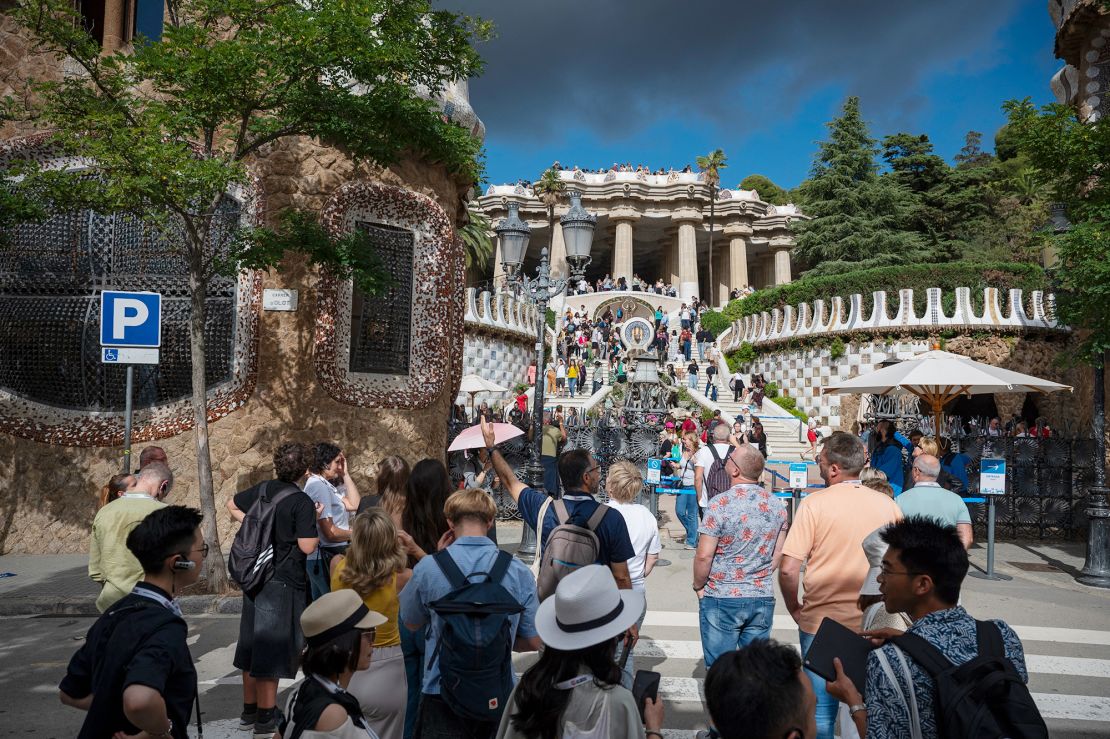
pixel 371 596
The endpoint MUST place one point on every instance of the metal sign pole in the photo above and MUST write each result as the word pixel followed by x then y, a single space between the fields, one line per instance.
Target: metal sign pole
pixel 127 419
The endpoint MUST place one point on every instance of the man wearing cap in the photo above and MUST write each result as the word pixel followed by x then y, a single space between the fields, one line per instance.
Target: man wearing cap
pixel 469 514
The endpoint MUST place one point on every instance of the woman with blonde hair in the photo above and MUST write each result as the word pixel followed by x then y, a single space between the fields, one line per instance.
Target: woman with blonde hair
pixel 623 484
pixel 874 478
pixel 374 567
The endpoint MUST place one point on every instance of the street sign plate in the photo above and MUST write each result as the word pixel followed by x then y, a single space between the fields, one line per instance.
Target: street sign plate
pixel 275 299
pixel 131 319
pixel 992 476
pixel 654 470
pixel 128 355
pixel 799 475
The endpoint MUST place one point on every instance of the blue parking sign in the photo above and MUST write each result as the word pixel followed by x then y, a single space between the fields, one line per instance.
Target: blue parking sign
pixel 130 319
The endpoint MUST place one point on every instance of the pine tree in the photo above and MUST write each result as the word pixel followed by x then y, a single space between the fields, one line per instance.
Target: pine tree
pixel 857 219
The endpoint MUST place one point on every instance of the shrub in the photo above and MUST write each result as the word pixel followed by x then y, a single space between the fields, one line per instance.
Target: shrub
pixel 550 318
pixel 715 322
pixel 744 355
pixel 947 276
pixel 771 390
pixel 785 401
pixel 837 349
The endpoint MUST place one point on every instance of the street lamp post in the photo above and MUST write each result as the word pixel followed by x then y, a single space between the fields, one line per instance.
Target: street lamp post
pixel 578 232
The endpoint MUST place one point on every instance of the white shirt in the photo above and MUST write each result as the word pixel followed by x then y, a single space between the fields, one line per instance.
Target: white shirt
pixel 643 530
pixel 704 459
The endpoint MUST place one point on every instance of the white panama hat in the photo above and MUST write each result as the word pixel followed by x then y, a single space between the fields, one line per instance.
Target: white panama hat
pixel 586 609
pixel 874 548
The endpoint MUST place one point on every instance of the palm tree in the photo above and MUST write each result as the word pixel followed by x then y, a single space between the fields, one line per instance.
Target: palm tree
pixel 550 188
pixel 477 242
pixel 711 165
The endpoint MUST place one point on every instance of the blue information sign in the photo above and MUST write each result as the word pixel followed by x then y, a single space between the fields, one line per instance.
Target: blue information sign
pixel 130 319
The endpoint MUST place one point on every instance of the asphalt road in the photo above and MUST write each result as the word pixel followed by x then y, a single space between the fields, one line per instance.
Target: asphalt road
pixel 1065 629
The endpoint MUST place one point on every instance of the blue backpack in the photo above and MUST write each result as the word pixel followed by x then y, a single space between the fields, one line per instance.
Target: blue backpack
pixel 476 640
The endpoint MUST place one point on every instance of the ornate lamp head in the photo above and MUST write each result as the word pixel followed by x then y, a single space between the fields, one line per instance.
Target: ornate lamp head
pixel 578 234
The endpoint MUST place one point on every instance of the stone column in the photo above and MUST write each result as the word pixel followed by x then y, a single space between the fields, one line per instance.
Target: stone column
pixel 721 275
pixel 737 262
pixel 558 256
pixel 622 251
pixel 687 261
pixel 782 265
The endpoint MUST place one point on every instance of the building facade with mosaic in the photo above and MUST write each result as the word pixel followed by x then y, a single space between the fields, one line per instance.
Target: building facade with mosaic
pixel 656 227
pixel 377 375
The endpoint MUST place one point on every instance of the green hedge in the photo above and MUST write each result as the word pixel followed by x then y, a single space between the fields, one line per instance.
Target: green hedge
pixel 920 277
pixel 715 322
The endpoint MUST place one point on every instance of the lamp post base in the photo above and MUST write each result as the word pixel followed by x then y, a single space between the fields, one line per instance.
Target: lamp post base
pixel 526 552
pixel 1096 565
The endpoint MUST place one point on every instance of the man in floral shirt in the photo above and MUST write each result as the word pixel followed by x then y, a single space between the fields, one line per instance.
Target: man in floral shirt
pixel 739 547
pixel 922 571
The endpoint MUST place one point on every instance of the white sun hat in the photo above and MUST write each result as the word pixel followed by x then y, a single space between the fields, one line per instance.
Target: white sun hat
pixel 587 609
pixel 874 547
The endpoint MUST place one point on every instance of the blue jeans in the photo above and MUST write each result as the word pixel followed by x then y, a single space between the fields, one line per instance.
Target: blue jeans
pixel 730 623
pixel 412 646
pixel 572 381
pixel 686 509
pixel 693 381
pixel 701 351
pixel 826 705
pixel 629 670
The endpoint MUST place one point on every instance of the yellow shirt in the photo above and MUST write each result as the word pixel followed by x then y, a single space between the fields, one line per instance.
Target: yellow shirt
pixel 827 534
pixel 384 600
pixel 110 561
pixel 572 371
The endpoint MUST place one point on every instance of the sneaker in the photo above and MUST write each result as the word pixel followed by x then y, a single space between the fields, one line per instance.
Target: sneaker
pixel 689 546
pixel 266 730
pixel 247 719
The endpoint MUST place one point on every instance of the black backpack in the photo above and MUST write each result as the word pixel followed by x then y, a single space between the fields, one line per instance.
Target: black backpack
pixel 985 697
pixel 717 480
pixel 251 561
pixel 475 646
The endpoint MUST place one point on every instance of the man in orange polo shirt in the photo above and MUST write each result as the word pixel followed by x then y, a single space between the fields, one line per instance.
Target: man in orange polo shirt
pixel 826 535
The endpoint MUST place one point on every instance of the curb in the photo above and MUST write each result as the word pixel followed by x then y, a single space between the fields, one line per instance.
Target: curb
pixel 54 606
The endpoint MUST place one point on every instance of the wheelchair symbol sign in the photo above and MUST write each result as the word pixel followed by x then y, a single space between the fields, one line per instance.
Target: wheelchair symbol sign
pixel 111 355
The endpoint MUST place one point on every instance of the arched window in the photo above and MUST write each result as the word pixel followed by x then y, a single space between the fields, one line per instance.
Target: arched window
pixel 51 275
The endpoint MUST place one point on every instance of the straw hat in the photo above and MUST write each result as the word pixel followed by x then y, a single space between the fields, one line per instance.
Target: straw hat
pixel 335 614
pixel 874 547
pixel 587 609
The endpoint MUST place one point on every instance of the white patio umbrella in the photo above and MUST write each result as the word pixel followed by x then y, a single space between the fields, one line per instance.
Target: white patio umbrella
pixel 938 377
pixel 474 384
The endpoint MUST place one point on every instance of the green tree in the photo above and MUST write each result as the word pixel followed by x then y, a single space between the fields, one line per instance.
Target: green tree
pixel 1068 159
pixel 857 219
pixel 174 123
pixel 477 242
pixel 768 191
pixel 912 161
pixel 711 165
pixel 972 154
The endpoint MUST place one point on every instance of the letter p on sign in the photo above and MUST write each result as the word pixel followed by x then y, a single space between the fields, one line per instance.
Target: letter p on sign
pixel 130 319
pixel 127 312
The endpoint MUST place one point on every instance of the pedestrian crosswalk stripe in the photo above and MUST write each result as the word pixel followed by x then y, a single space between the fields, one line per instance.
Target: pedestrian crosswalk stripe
pixel 688 619
pixel 1074 707
pixel 1036 663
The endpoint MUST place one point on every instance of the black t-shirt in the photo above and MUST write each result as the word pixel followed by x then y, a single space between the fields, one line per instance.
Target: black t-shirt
pixel 294 518
pixel 137 642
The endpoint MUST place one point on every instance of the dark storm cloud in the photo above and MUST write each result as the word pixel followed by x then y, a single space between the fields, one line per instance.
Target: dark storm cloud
pixel 615 67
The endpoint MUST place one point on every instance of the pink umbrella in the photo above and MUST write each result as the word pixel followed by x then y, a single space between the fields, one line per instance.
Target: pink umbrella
pixel 471 438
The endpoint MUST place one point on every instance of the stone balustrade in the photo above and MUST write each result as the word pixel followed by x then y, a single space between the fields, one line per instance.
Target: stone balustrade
pixel 812 320
pixel 501 312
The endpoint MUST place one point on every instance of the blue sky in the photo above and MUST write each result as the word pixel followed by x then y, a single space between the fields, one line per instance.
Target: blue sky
pixel 590 82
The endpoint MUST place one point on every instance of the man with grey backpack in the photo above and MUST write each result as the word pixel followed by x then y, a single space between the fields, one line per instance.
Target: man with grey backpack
pixel 575 530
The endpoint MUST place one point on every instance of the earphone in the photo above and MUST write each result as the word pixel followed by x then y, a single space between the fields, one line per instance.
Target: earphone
pixel 184 564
